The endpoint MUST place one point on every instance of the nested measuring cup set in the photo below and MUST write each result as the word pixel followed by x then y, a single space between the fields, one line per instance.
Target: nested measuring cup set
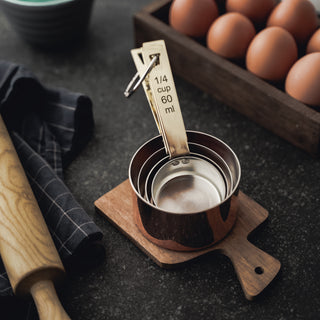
pixel 185 183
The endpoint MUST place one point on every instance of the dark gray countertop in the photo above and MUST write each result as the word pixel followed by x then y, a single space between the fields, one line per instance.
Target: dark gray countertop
pixel 129 285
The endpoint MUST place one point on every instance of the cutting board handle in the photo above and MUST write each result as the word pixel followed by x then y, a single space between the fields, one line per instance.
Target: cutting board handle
pixel 255 268
pixel 47 301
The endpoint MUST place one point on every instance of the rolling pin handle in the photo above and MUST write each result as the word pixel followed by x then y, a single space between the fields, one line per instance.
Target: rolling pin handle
pixel 47 301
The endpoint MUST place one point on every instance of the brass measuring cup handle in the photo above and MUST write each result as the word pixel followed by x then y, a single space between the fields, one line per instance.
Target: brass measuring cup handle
pixel 157 80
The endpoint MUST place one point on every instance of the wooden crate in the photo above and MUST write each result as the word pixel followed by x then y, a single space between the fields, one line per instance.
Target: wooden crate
pixel 258 100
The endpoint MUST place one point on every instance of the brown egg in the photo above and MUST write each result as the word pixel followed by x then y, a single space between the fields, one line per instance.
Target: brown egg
pixel 297 16
pixel 193 17
pixel 230 35
pixel 303 80
pixel 256 10
pixel 271 53
pixel 314 43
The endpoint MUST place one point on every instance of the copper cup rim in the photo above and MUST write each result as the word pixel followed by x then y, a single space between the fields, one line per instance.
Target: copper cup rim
pixel 234 188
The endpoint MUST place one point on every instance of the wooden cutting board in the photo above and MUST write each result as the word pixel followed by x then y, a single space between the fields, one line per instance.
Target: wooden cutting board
pixel 255 268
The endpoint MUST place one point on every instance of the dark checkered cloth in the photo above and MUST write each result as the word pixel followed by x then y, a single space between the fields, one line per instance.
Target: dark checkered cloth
pixel 48 128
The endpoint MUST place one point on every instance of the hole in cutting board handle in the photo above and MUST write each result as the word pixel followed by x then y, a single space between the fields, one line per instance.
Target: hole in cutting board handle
pixel 259 270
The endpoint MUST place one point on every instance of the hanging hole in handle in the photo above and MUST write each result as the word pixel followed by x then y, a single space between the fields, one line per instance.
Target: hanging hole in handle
pixel 259 270
pixel 158 58
pixel 141 57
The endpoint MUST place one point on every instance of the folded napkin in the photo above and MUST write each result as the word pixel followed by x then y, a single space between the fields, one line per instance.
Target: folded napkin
pixel 48 128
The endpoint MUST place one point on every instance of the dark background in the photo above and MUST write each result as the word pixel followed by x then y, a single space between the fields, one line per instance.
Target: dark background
pixel 129 285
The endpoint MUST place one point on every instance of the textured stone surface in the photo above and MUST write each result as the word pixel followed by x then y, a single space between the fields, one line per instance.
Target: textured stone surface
pixel 282 178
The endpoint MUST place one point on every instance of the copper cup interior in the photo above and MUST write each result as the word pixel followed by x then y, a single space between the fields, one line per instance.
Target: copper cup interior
pixel 152 156
pixel 211 162
pixel 188 184
pixel 182 170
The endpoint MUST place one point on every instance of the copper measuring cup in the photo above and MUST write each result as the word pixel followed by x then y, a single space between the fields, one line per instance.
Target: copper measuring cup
pixel 186 200
pixel 184 231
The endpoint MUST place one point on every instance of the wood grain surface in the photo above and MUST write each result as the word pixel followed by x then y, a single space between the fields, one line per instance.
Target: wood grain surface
pixel 26 247
pixel 255 268
pixel 47 301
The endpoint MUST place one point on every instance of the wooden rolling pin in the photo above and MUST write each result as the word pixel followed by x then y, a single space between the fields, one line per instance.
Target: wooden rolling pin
pixel 27 250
